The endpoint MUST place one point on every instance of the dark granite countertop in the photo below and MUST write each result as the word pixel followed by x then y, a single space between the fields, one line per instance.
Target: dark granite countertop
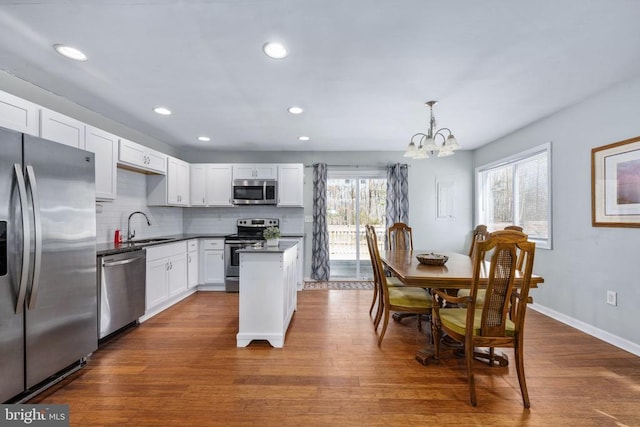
pixel 282 246
pixel 111 248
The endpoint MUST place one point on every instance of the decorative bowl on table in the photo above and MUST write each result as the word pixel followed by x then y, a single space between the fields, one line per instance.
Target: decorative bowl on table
pixel 432 259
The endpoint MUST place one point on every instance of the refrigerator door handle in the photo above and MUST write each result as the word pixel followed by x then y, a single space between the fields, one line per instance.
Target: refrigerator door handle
pixel 37 231
pixel 26 238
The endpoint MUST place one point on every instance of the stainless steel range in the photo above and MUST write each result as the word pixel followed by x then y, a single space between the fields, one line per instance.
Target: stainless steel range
pixel 249 232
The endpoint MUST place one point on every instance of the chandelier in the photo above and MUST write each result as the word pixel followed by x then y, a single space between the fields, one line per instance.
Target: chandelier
pixel 423 145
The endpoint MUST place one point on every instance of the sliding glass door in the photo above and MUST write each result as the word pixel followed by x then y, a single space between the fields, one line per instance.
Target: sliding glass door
pixel 355 198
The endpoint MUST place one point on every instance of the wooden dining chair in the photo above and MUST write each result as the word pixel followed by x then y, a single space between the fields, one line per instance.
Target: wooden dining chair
pixel 514 228
pixel 479 234
pixel 400 236
pixel 500 321
pixel 377 297
pixel 394 298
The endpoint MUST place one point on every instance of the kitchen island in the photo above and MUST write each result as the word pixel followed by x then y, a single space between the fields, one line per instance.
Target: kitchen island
pixel 267 294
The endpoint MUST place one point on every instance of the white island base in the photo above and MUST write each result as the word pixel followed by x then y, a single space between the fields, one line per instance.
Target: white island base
pixel 267 294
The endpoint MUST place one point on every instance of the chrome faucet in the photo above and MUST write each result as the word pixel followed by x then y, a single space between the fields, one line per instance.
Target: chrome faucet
pixel 131 235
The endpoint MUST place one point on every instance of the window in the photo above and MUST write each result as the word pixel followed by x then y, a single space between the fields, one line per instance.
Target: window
pixel 517 190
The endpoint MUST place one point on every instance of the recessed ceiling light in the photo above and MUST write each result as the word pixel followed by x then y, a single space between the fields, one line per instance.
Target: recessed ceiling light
pixel 275 50
pixel 162 111
pixel 204 138
pixel 303 138
pixel 70 52
pixel 295 110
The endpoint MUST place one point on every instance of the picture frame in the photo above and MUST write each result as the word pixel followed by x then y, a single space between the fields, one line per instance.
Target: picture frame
pixel 615 184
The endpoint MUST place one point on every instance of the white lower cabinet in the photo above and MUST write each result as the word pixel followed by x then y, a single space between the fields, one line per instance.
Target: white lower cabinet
pixel 299 273
pixel 166 275
pixel 192 263
pixel 212 268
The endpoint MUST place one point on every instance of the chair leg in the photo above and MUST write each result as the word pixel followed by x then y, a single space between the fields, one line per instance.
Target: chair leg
pixel 520 370
pixel 373 301
pixel 379 312
pixel 468 355
pixel 384 327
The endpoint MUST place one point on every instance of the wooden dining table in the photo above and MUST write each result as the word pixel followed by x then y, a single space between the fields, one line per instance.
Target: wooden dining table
pixel 457 273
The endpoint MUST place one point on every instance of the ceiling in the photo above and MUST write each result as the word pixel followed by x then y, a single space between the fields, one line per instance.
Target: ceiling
pixel 361 69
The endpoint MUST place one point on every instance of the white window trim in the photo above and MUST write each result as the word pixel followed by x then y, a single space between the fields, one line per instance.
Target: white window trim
pixel 540 243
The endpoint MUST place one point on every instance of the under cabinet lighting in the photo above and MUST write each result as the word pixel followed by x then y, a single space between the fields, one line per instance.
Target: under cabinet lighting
pixel 70 52
pixel 162 111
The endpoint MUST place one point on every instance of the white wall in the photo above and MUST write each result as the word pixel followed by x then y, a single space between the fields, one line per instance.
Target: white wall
pixel 44 98
pixel 429 232
pixel 585 261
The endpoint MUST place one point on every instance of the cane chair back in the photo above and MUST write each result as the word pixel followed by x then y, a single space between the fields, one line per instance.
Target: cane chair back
pixel 499 322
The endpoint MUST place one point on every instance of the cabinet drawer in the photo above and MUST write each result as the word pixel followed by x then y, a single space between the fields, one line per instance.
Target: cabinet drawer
pixel 192 245
pixel 213 244
pixel 167 250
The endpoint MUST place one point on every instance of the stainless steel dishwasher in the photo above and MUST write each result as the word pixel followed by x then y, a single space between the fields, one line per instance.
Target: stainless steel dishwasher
pixel 121 290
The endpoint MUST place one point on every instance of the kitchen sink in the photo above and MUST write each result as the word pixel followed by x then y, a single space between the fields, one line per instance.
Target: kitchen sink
pixel 149 241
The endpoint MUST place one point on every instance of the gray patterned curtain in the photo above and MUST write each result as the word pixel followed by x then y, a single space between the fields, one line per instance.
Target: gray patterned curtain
pixel 320 244
pixel 397 194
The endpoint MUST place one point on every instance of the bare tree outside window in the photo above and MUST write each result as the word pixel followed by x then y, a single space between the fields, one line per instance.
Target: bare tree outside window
pixel 517 192
pixel 353 203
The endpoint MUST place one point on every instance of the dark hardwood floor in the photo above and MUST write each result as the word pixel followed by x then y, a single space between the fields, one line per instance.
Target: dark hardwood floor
pixel 182 368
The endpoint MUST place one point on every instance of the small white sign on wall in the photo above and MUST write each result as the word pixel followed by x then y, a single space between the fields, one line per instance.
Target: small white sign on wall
pixel 445 190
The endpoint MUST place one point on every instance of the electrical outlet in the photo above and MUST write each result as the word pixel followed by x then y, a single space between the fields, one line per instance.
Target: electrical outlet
pixel 612 298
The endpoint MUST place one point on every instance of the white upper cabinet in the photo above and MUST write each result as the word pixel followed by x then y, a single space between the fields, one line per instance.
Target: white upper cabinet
pixel 18 114
pixel 177 182
pixel 255 171
pixel 135 156
pixel 210 184
pixel 218 184
pixel 171 189
pixel 105 147
pixel 198 181
pixel 60 128
pixel 290 184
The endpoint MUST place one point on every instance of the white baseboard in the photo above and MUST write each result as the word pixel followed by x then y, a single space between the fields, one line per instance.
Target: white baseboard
pixel 605 336
pixel 163 306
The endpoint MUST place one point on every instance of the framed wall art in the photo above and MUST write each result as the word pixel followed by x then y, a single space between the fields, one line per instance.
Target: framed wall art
pixel 615 184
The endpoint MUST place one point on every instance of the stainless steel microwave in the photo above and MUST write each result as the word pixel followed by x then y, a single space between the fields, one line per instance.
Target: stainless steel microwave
pixel 254 192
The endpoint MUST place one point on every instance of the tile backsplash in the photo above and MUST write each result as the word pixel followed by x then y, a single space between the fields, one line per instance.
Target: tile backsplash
pixel 132 196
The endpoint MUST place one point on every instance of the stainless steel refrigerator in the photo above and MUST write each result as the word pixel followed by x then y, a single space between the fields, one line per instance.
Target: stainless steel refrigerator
pixel 48 294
